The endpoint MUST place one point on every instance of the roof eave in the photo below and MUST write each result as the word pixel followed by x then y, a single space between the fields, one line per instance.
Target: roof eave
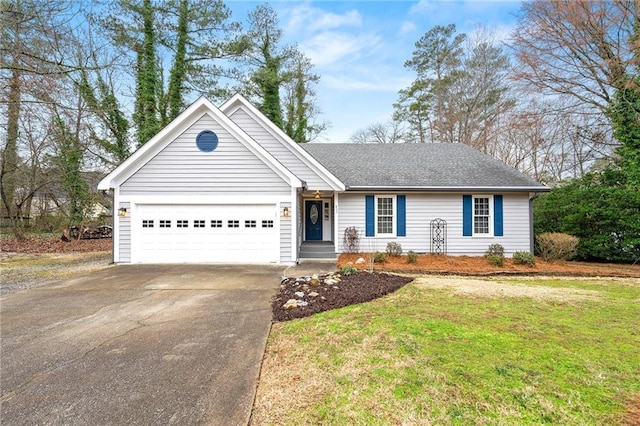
pixel 237 100
pixel 451 188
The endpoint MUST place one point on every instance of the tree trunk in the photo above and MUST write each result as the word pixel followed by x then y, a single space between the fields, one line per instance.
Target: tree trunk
pixel 10 151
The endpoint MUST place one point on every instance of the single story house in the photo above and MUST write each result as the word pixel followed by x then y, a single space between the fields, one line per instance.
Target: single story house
pixel 225 185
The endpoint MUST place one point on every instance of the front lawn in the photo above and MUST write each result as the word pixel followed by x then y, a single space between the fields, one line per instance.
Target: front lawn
pixel 451 350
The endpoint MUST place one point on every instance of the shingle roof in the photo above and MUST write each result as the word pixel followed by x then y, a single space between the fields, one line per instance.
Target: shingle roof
pixel 418 167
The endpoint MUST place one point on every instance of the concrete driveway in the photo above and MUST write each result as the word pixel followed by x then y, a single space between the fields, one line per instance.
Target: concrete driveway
pixel 146 344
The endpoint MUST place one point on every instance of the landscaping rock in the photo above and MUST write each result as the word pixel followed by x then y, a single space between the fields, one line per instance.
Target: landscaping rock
pixel 290 304
pixel 353 289
pixel 314 281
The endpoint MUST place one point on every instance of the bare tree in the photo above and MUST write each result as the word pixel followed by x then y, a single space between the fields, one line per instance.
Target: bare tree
pixel 34 55
pixel 551 145
pixel 389 132
pixel 582 49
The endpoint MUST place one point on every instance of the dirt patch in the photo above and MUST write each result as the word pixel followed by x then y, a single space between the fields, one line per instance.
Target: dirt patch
pixel 347 290
pixel 53 245
pixel 632 415
pixel 478 265
pixel 22 271
pixel 488 288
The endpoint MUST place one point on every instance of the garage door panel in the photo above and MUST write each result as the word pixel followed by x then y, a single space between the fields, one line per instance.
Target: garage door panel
pixel 206 234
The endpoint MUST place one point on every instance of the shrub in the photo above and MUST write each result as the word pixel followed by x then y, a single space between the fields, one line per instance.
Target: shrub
pixel 495 254
pixel 50 223
pixel 495 259
pixel 601 209
pixel 556 246
pixel 351 240
pixel 380 257
pixel 495 250
pixel 349 270
pixel 412 257
pixel 523 258
pixel 394 249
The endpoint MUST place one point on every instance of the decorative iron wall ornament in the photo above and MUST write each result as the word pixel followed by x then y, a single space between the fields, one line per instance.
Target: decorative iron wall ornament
pixel 439 236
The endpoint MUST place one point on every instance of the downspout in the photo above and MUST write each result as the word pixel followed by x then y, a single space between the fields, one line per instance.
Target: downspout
pixel 531 235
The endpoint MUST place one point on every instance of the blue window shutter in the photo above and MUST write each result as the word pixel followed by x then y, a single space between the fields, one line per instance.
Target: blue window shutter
pixel 370 216
pixel 401 217
pixel 498 229
pixel 467 216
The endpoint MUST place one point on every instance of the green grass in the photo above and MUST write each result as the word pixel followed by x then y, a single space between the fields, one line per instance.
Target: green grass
pixel 431 356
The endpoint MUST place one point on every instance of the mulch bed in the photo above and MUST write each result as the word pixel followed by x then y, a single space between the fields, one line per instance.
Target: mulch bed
pixel 53 245
pixel 352 289
pixel 479 266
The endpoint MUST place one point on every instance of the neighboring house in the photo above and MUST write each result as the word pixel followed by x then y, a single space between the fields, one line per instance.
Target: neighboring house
pixel 226 185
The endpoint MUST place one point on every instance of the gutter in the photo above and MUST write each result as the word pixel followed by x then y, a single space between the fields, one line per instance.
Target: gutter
pixel 451 189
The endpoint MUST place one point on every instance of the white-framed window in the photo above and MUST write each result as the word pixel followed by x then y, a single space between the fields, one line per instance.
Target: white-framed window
pixel 385 214
pixel 233 224
pixel 216 223
pixel 165 223
pixel 249 223
pixel 182 223
pixel 482 215
pixel 147 223
pixel 267 223
pixel 198 223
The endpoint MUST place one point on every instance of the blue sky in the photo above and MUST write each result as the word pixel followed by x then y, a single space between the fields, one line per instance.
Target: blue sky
pixel 359 47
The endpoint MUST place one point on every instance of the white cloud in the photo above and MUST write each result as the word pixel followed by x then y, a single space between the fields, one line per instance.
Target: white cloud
pixel 424 7
pixel 331 47
pixel 331 20
pixel 305 18
pixel 365 82
pixel 407 27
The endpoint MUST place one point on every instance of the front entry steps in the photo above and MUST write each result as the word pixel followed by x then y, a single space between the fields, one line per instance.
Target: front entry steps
pixel 317 250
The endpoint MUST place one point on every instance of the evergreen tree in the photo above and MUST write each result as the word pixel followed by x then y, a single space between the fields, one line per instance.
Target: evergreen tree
pixel 459 91
pixel 280 78
pixel 301 111
pixel 146 106
pixel 266 57
pixel 187 34
pixel 625 118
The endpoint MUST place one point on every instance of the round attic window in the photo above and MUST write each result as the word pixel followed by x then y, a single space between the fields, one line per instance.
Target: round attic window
pixel 207 141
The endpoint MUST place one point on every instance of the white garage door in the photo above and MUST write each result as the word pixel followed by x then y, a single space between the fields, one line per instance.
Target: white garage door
pixel 205 234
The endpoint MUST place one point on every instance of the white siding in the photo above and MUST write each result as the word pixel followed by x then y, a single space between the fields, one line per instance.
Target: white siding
pixel 284 154
pixel 421 209
pixel 182 169
pixel 124 233
pixel 285 235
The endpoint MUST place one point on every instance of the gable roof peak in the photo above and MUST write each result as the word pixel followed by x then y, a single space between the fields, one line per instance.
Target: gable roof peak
pixel 187 118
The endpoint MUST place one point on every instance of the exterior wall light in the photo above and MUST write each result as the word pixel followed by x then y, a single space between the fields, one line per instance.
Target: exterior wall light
pixel 122 212
pixel 285 212
pixel 317 194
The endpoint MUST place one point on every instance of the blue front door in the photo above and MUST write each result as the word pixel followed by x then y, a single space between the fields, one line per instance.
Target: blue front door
pixel 313 220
